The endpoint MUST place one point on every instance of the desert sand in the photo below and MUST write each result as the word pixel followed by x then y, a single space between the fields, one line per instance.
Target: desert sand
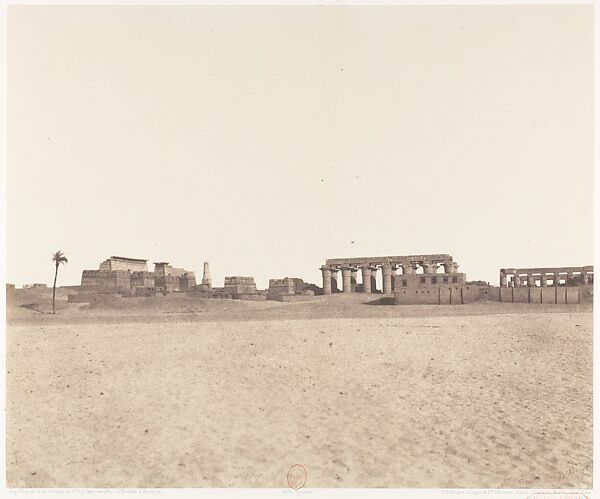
pixel 181 392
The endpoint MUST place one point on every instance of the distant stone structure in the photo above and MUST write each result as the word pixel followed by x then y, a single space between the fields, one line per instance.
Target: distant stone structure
pixel 284 289
pixel 114 275
pixel 560 285
pixel 125 264
pixel 238 286
pixel 168 279
pixel 554 285
pixel 35 285
pixel 130 276
pixel 389 265
pixel 206 281
pixel 546 276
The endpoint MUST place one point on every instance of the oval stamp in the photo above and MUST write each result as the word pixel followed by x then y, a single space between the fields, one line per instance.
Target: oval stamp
pixel 296 476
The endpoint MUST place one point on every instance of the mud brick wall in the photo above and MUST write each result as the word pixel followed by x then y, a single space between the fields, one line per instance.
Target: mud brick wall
pixel 187 281
pixel 440 294
pixel 142 280
pixel 546 295
pixel 106 279
pixel 166 284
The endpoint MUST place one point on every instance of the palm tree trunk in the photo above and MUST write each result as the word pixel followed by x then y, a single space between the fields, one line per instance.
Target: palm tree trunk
pixel 54 288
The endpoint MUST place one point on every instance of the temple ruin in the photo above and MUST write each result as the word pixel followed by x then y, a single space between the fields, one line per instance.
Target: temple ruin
pixel 546 276
pixel 289 289
pixel 130 275
pixel 409 265
pixel 434 279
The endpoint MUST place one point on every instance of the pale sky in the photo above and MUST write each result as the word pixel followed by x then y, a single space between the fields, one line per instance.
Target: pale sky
pixel 267 139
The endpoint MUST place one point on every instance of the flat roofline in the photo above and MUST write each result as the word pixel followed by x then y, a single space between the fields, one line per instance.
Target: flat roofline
pixel 128 259
pixel 438 257
pixel 546 270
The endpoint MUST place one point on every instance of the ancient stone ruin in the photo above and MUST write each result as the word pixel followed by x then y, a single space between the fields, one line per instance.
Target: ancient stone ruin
pixel 130 277
pixel 412 279
pixel 547 276
pixel 558 285
pixel 239 287
pixel 389 267
pixel 434 279
pixel 35 285
pixel 206 281
pixel 288 289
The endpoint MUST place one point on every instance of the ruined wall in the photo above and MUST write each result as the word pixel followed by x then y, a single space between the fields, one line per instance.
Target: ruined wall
pixel 440 294
pixel 424 281
pixel 238 285
pixel 287 286
pixel 175 271
pixel 587 293
pixel 544 295
pixel 187 281
pixel 416 296
pixel 105 280
pixel 166 283
pixel 142 280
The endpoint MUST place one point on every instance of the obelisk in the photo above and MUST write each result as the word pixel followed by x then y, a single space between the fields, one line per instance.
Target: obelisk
pixel 206 276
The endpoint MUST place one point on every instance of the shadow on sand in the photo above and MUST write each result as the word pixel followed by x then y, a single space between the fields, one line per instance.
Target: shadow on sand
pixel 386 300
pixel 35 307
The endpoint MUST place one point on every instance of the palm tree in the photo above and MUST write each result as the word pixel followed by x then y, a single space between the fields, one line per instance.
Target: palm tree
pixel 57 258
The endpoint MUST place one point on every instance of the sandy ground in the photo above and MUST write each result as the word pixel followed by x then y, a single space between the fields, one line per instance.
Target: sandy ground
pixel 231 394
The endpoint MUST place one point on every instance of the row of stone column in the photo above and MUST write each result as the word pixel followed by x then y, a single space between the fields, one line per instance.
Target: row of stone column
pixel 369 275
pixel 531 279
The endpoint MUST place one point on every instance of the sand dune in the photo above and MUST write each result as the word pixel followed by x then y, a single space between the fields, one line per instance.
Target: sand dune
pixel 220 395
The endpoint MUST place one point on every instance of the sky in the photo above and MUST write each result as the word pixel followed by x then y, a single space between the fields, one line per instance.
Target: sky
pixel 266 139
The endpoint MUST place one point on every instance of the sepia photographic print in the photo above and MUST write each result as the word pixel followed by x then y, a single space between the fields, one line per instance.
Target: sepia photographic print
pixel 295 249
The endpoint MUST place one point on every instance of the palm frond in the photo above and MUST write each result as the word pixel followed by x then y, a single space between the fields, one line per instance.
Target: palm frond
pixel 59 258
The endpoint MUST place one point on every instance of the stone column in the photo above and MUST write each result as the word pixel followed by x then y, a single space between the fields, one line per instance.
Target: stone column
pixel 366 278
pixel 374 279
pixel 584 278
pixel 530 280
pixel 517 280
pixel 353 280
pixel 407 269
pixel 386 269
pixel 346 279
pixel 394 274
pixel 448 267
pixel 502 280
pixel 326 271
pixel 428 268
pixel 543 280
pixel 569 280
pixel 557 279
pixel 334 280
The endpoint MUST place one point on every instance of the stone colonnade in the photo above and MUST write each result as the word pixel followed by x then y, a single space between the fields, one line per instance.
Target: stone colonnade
pixel 565 276
pixel 369 271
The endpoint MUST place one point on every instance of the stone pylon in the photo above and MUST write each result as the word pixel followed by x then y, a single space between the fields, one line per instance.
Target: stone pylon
pixel 206 276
